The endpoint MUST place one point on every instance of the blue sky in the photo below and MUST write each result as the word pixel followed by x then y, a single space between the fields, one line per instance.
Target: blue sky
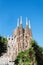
pixel 10 10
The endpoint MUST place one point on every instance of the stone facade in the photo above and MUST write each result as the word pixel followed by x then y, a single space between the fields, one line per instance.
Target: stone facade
pixel 19 41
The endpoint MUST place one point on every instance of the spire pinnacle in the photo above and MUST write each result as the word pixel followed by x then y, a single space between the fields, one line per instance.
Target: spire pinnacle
pixel 18 22
pixel 20 19
pixel 26 20
pixel 29 25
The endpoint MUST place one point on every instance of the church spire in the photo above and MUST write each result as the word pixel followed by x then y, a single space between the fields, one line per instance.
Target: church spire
pixel 29 25
pixel 27 22
pixel 18 22
pixel 20 19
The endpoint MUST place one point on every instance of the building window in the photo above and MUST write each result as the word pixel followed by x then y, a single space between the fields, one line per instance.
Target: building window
pixel 9 38
pixel 26 46
pixel 26 36
pixel 23 45
pixel 12 38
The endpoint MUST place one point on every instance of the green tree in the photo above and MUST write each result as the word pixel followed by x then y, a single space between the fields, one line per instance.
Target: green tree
pixel 33 54
pixel 38 52
pixel 3 45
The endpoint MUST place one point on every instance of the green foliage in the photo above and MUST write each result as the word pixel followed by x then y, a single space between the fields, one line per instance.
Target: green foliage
pixel 41 49
pixel 38 52
pixel 33 54
pixel 3 45
pixel 25 58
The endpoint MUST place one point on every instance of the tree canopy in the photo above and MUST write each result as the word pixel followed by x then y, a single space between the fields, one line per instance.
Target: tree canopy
pixel 3 45
pixel 33 54
pixel 38 52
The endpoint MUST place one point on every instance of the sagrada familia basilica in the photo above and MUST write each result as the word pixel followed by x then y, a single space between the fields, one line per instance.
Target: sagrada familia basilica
pixel 19 41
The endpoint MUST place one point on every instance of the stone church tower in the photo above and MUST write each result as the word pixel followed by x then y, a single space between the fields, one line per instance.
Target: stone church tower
pixel 20 39
pixel 22 36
